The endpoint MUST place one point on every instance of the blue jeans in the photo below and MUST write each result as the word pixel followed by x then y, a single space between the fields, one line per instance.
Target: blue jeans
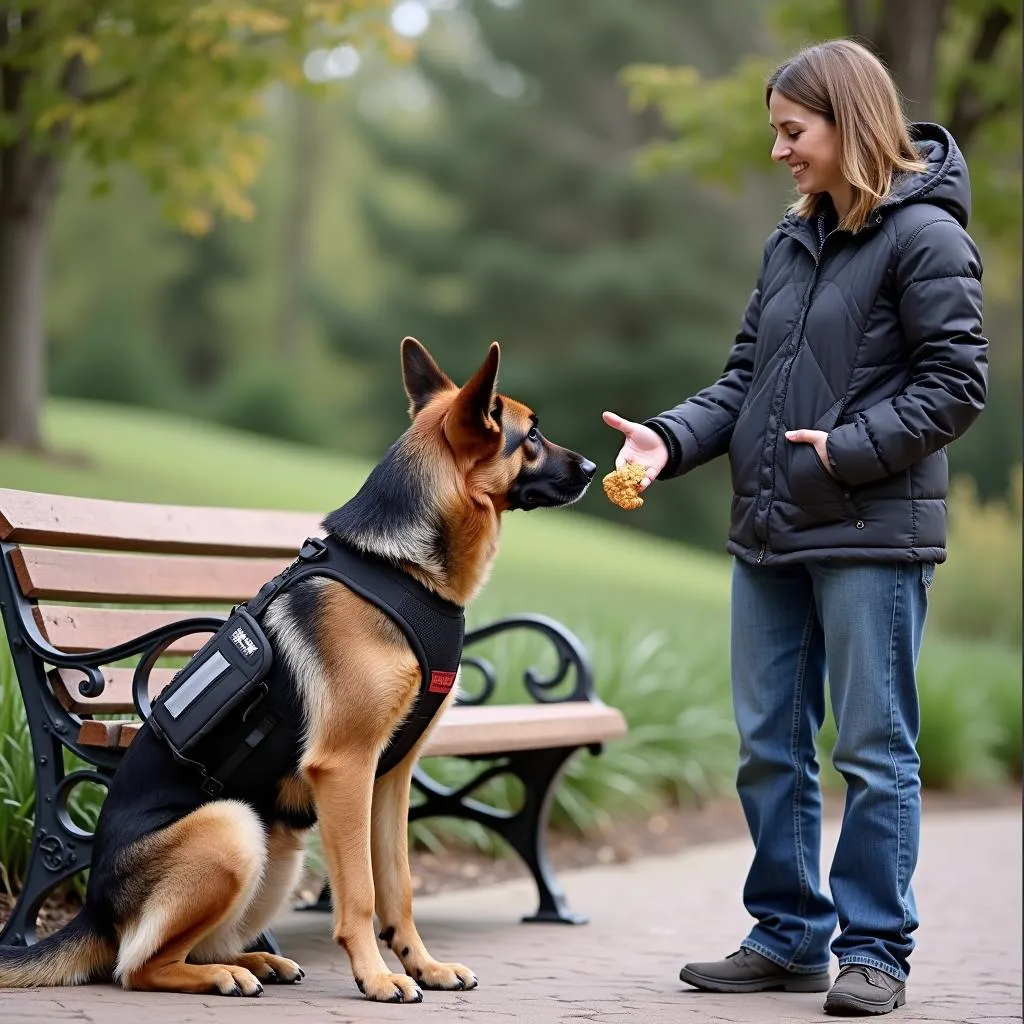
pixel 863 623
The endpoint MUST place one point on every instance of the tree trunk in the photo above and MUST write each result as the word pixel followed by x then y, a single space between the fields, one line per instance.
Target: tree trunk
pixel 23 250
pixel 907 38
pixel 28 188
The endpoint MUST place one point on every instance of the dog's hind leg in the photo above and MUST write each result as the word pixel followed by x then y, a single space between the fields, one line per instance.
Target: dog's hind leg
pixel 343 788
pixel 393 884
pixel 204 871
pixel 285 852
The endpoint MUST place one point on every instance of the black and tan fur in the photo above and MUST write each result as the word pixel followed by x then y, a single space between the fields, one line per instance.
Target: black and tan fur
pixel 182 883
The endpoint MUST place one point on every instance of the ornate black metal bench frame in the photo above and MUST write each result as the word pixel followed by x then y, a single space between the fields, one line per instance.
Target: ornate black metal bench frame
pixel 61 848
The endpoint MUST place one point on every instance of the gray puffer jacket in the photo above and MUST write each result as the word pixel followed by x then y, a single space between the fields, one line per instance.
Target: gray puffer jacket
pixel 874 337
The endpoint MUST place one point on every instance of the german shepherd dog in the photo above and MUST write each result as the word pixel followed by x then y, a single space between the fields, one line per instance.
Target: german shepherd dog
pixel 181 882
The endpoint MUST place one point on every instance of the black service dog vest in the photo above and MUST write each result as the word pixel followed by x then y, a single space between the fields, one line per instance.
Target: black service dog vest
pixel 220 707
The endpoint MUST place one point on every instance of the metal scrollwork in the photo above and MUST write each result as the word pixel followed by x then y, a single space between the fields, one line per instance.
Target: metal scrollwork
pixel 572 658
pixel 490 681
pixel 55 853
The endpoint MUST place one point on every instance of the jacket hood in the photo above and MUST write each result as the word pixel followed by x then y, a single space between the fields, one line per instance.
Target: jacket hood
pixel 944 181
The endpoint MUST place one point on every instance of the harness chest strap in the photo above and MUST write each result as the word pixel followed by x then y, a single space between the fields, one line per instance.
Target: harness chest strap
pixel 433 626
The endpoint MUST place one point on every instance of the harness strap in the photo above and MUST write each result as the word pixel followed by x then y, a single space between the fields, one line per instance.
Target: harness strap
pixel 433 627
pixel 214 783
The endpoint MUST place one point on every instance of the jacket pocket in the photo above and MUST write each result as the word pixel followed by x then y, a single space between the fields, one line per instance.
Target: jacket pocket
pixel 811 486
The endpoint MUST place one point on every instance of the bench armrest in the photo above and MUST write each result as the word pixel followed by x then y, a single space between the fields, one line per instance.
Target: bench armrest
pixel 572 658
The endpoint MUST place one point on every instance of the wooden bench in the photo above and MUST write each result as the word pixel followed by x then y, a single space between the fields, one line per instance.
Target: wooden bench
pixel 87 586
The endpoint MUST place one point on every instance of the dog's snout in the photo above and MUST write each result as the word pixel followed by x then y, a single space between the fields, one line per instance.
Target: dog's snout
pixel 588 468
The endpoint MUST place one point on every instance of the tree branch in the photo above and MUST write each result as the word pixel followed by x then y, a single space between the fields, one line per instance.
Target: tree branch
pixel 969 109
pixel 108 92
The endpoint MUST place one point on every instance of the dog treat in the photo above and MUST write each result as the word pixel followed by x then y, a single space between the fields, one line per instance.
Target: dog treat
pixel 623 485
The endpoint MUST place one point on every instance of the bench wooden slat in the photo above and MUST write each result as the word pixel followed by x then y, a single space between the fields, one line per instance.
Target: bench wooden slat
pixel 116 698
pixel 474 730
pixel 72 628
pixel 59 520
pixel 103 734
pixel 143 579
pixel 469 730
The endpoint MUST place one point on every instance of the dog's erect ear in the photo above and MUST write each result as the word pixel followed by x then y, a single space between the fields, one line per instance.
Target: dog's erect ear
pixel 470 421
pixel 423 378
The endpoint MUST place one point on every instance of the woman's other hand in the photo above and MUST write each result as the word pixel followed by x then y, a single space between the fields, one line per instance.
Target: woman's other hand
pixel 816 438
pixel 642 446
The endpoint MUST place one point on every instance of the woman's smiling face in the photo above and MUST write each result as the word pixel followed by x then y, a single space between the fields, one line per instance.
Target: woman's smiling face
pixel 808 143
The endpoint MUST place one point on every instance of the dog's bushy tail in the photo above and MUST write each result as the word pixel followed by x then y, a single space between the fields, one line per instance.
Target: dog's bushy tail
pixel 74 955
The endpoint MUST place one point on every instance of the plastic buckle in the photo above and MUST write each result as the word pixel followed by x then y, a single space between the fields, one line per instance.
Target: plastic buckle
pixel 312 549
pixel 211 786
pixel 263 596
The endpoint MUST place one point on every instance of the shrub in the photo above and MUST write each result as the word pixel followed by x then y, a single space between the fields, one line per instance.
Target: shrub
pixel 977 592
pixel 17 785
pixel 264 399
pixel 970 696
pixel 113 361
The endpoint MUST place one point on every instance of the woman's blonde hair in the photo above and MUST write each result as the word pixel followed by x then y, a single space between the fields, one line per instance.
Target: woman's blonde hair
pixel 846 83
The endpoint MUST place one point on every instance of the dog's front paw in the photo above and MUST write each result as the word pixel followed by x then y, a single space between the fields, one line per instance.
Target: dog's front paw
pixel 390 988
pixel 271 969
pixel 436 975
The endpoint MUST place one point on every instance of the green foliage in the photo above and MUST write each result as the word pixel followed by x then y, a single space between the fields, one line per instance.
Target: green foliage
pixel 977 592
pixel 171 89
pixel 17 785
pixel 192 326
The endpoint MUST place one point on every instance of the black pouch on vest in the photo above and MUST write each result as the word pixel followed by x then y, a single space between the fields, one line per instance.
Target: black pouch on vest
pixel 226 672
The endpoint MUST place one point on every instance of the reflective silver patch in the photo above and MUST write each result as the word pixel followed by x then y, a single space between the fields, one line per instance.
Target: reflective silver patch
pixel 207 673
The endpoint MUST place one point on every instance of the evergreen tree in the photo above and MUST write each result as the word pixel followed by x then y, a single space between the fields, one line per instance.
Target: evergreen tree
pixel 193 329
pixel 606 289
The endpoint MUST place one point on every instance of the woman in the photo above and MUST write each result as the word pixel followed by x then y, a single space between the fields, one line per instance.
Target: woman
pixel 860 357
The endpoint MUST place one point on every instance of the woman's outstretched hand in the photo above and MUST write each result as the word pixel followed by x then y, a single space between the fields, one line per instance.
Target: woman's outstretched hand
pixel 642 446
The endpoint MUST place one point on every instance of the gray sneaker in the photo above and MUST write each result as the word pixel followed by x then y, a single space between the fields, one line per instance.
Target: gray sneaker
pixel 747 971
pixel 861 991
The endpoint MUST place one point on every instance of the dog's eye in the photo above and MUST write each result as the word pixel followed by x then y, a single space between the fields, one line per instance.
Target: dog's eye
pixel 533 436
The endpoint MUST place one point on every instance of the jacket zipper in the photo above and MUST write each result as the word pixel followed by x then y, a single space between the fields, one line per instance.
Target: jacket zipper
pixel 820 223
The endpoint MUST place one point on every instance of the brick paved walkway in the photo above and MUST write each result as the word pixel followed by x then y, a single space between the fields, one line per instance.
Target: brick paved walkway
pixel 646 919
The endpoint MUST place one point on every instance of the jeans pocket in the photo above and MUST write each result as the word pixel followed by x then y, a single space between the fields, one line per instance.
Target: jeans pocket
pixel 927 574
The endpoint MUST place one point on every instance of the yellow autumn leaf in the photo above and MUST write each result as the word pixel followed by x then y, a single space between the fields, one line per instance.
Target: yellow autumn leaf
pixel 80 46
pixel 259 22
pixel 242 166
pixel 237 204
pixel 225 48
pixel 196 222
pixel 54 115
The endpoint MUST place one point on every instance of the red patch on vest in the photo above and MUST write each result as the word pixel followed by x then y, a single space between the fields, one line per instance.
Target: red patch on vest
pixel 441 682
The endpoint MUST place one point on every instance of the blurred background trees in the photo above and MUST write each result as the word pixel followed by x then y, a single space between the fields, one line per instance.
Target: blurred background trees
pixel 171 89
pixel 588 182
